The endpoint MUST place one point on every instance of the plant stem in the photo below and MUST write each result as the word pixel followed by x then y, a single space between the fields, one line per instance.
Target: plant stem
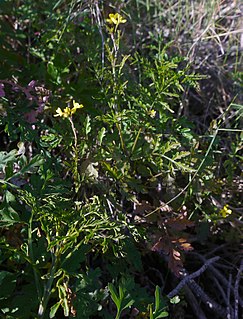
pixel 31 255
pixel 48 286
pixel 74 133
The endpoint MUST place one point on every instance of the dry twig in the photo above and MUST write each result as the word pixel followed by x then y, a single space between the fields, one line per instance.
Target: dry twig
pixel 236 291
pixel 188 278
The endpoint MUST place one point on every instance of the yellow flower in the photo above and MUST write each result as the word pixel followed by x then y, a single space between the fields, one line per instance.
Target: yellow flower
pixel 115 19
pixel 152 113
pixel 59 112
pixel 76 106
pixel 68 112
pixel 225 211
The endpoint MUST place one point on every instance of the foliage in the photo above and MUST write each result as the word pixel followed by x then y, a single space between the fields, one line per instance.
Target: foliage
pixel 93 151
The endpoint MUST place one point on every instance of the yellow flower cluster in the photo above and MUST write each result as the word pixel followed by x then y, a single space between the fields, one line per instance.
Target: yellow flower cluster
pixel 225 211
pixel 116 19
pixel 68 112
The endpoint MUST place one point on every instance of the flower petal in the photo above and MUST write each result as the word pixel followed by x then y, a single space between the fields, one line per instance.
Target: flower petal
pixel 59 112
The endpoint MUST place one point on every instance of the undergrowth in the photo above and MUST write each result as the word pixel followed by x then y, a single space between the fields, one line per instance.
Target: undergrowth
pixel 120 165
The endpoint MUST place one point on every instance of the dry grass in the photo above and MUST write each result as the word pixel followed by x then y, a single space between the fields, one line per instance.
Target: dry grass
pixel 210 35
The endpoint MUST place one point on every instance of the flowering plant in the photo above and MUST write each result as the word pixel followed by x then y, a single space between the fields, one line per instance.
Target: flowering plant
pixel 115 18
pixel 68 112
pixel 225 211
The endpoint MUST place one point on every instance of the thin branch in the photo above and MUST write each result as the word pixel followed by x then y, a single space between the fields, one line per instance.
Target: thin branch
pixel 211 304
pixel 229 309
pixel 188 278
pixel 213 251
pixel 236 290
pixel 223 295
pixel 191 299
pixel 218 274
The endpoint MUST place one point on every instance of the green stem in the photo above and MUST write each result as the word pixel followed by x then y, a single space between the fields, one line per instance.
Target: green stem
pixel 136 140
pixel 76 159
pixel 48 287
pixel 31 256
pixel 121 138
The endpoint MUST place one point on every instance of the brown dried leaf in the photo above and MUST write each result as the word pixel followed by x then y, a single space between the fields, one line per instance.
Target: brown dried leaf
pixel 179 223
pixel 174 262
pixel 143 207
pixel 182 244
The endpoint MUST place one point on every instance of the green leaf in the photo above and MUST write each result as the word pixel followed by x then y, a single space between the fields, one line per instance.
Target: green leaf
pixel 54 309
pixel 8 216
pixel 34 163
pixel 180 155
pixel 175 300
pixel 121 292
pixel 74 259
pixel 5 158
pixel 163 314
pixel 101 135
pixel 128 304
pixel 157 298
pixel 114 295
pixel 111 170
pixel 143 170
pixel 52 70
pixel 170 146
pixel 65 307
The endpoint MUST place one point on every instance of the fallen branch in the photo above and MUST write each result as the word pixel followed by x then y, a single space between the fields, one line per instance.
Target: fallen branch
pixel 221 278
pixel 236 290
pixel 187 278
pixel 229 309
pixel 211 304
pixel 191 299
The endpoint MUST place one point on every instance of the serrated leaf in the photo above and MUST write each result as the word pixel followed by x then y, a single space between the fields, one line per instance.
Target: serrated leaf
pixel 87 125
pixel 124 59
pixel 180 155
pixel 184 167
pixel 170 146
pixel 101 135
